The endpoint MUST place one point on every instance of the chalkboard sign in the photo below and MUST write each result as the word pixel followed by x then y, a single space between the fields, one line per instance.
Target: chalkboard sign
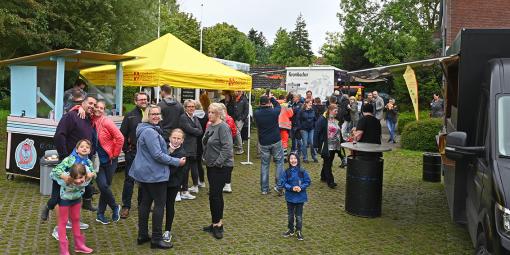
pixel 187 94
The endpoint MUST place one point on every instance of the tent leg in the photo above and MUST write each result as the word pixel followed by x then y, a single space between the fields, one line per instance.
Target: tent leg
pixel 248 162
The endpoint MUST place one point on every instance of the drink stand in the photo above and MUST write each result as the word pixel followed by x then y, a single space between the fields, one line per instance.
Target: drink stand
pixel 363 194
pixel 37 102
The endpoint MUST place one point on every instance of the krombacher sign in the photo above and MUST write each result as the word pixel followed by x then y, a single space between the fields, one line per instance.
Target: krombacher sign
pixel 298 74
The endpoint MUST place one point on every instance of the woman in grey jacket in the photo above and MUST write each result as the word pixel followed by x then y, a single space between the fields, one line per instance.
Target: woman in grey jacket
pixel 219 159
pixel 150 169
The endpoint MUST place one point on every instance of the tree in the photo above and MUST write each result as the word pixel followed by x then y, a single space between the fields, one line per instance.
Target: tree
pixel 384 33
pixel 225 41
pixel 182 25
pixel 280 53
pixel 261 48
pixel 302 45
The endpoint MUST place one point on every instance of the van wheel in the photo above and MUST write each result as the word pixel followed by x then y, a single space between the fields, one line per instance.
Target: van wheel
pixel 481 244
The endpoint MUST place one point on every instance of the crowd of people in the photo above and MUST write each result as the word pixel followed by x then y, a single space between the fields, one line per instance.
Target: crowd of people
pixel 163 144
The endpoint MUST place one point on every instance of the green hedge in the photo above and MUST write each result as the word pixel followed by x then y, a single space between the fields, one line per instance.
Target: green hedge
pixel 421 135
pixel 405 118
pixel 5 103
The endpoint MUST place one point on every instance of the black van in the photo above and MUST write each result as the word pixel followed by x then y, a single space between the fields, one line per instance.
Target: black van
pixel 477 127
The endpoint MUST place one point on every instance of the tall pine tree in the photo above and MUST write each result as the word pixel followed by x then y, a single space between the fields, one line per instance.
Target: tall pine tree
pixel 302 45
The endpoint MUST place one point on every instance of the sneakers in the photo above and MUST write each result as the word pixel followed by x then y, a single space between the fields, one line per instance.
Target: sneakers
pixel 289 232
pixel 193 189
pixel 306 161
pixel 45 213
pixel 315 160
pixel 83 226
pixel 299 235
pixel 239 152
pixel 167 236
pixel 116 214
pixel 265 192
pixel 178 197
pixel 227 188
pixel 187 196
pixel 54 233
pixel 201 184
pixel 102 219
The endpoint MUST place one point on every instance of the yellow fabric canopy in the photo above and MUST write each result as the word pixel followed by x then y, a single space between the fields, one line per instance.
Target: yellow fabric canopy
pixel 168 60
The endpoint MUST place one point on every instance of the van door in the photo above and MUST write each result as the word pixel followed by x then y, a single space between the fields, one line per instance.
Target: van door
pixel 478 171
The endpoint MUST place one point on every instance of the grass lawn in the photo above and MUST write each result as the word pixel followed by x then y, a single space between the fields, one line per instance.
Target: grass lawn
pixel 414 220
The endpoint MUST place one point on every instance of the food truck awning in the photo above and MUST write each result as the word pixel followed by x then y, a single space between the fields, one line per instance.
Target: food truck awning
pixel 168 60
pixel 378 73
pixel 75 59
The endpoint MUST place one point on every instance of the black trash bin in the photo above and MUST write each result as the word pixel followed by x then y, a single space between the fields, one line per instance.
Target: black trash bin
pixel 431 167
pixel 363 193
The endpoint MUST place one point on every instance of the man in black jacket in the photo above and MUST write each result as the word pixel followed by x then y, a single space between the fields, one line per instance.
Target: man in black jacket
pixel 128 129
pixel 241 111
pixel 171 111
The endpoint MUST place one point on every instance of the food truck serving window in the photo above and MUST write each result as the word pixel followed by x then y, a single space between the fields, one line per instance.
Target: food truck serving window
pixel 504 125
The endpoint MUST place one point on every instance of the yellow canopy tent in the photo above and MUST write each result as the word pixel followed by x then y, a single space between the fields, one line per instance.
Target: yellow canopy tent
pixel 168 60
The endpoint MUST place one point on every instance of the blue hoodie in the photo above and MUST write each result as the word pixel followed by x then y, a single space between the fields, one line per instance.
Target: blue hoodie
pixel 152 160
pixel 290 178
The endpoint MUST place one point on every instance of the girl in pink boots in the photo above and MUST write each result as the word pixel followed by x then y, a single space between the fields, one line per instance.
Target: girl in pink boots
pixel 72 186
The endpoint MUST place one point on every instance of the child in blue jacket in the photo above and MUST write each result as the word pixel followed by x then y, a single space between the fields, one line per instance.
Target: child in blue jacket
pixel 295 180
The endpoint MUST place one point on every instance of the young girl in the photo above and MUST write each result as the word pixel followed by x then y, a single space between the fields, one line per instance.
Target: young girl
pixel 71 191
pixel 177 174
pixel 80 155
pixel 295 180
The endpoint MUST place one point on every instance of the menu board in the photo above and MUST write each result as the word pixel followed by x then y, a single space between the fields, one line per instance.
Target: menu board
pixel 187 94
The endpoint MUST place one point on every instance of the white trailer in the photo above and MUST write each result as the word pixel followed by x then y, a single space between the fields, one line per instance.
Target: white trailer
pixel 321 80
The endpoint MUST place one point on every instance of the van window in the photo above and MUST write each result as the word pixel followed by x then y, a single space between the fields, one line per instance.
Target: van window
pixel 504 125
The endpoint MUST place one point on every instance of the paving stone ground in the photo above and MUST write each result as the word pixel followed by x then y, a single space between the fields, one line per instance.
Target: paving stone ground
pixel 414 220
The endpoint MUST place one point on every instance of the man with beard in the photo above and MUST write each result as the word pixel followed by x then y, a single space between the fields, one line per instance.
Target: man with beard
pixel 128 129
pixel 71 129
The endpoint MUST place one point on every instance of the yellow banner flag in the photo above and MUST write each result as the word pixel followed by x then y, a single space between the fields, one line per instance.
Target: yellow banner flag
pixel 412 86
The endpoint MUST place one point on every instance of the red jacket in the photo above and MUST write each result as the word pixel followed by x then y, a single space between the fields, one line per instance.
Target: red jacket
pixel 109 136
pixel 231 124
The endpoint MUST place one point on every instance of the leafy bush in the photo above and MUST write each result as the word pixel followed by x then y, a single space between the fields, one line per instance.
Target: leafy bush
pixel 421 135
pixel 128 94
pixel 257 93
pixel 5 103
pixel 405 118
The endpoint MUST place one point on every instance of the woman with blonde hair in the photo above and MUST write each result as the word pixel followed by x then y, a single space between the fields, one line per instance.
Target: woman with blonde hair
pixel 150 169
pixel 219 159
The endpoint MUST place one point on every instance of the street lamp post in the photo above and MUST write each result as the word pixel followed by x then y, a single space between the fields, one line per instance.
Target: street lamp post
pixel 201 24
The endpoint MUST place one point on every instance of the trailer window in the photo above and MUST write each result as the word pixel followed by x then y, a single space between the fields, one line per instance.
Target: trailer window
pixel 504 125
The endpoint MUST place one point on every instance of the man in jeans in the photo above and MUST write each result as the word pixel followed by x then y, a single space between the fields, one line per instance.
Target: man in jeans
pixel 270 142
pixel 128 129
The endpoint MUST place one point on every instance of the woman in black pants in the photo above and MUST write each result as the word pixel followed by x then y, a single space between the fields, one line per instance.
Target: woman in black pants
pixel 192 128
pixel 219 159
pixel 328 137
pixel 201 114
pixel 150 169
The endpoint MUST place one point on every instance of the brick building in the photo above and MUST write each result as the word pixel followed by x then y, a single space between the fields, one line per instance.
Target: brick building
pixel 458 14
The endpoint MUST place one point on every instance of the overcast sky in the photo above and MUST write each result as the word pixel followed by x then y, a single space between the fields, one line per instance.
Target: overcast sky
pixel 268 15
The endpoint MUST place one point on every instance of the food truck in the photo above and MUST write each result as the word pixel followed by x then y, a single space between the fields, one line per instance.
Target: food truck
pixel 475 140
pixel 37 101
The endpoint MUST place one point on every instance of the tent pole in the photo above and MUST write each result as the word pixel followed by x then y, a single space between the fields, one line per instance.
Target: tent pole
pixel 248 162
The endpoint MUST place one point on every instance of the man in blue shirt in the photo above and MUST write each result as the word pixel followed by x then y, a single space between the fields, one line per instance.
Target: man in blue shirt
pixel 266 118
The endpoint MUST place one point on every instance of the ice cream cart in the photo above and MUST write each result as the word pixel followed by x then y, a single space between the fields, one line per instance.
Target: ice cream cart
pixel 37 101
